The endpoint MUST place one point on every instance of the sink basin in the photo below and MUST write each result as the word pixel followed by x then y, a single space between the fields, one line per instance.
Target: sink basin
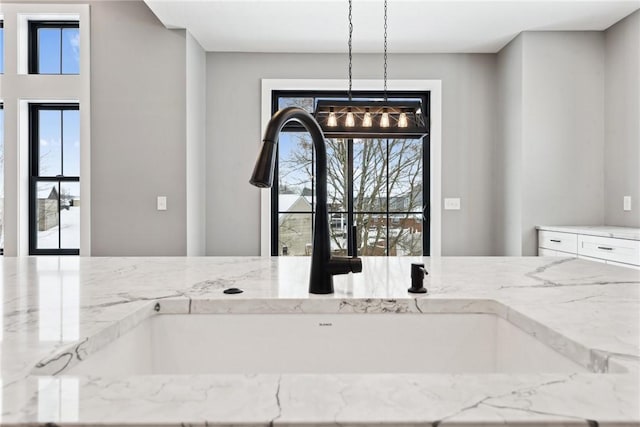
pixel 319 343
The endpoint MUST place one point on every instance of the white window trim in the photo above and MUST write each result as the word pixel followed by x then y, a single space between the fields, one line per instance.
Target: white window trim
pixel 432 86
pixel 18 92
pixel 23 20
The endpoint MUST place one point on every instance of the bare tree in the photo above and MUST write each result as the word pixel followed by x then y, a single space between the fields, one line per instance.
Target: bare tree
pixel 385 172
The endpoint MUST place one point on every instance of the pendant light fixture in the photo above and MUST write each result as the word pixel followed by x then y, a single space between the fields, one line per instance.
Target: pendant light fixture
pixel 371 119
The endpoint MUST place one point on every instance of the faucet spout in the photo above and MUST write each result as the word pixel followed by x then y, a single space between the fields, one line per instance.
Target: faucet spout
pixel 323 265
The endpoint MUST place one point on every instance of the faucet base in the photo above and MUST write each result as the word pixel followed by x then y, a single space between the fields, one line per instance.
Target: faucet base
pixel 320 283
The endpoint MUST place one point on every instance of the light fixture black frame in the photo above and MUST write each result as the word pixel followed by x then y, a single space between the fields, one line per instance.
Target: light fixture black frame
pixel 415 113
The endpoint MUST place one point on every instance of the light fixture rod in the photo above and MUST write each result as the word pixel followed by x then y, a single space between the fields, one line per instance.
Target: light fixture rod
pixel 350 47
pixel 385 49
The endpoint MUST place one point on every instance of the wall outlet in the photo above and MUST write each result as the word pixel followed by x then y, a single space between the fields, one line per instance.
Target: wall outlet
pixel 452 204
pixel 626 203
pixel 162 203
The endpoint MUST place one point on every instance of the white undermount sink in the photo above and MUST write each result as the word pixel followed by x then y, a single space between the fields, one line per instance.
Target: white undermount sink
pixel 319 343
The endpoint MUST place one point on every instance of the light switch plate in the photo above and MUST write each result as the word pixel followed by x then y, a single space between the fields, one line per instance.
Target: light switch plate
pixel 162 203
pixel 626 204
pixel 452 204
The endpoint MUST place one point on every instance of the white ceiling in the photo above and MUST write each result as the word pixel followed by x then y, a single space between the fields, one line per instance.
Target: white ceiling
pixel 415 26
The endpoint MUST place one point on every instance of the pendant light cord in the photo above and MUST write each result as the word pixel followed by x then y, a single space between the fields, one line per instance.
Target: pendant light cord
pixel 385 50
pixel 350 46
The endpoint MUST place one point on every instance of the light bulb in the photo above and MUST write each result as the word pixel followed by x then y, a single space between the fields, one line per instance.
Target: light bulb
pixel 384 120
pixel 332 121
pixel 402 120
pixel 366 121
pixel 350 121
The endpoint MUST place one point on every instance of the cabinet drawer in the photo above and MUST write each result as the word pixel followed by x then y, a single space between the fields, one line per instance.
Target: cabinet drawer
pixel 565 242
pixel 618 250
pixel 551 252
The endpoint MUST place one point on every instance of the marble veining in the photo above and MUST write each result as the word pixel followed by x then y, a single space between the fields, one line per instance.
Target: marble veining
pixel 58 311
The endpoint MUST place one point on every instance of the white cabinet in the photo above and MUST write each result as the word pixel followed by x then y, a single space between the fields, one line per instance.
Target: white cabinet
pixel 616 250
pixel 573 242
pixel 556 241
pixel 548 252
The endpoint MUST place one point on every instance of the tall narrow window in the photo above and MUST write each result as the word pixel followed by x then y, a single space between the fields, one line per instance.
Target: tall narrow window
pixel 54 47
pixel 1 179
pixel 378 185
pixel 54 213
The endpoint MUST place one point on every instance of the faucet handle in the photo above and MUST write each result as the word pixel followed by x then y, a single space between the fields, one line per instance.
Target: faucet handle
pixel 344 265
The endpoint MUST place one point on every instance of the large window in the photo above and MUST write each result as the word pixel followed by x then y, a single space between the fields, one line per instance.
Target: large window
pixel 54 47
pixel 54 211
pixel 379 185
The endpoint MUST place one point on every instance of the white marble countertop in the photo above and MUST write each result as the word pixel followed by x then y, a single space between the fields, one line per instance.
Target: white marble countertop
pixel 56 310
pixel 629 233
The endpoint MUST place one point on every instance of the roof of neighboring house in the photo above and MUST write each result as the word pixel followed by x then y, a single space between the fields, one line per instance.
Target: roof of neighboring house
pixel 286 202
pixel 47 192
pixel 293 202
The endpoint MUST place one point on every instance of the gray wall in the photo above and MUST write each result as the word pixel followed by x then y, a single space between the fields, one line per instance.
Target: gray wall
pixel 138 132
pixel 563 131
pixel 196 116
pixel 233 137
pixel 551 103
pixel 508 152
pixel 622 136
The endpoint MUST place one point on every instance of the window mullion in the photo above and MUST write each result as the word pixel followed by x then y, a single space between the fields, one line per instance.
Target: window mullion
pixel 59 215
pixel 62 142
pixel 352 246
pixel 388 200
pixel 61 51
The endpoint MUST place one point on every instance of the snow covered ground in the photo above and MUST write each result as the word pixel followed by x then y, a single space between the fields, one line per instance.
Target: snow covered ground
pixel 70 232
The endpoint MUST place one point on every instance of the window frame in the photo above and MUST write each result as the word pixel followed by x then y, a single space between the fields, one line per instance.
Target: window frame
pixel 34 177
pixel 33 51
pixel 425 96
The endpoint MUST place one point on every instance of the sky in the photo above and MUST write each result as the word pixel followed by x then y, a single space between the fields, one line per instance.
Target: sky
pixel 59 142
pixel 50 47
pixel 49 51
pixel 59 131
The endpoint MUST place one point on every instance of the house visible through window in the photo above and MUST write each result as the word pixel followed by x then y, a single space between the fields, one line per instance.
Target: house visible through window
pixel 54 47
pixel 54 211
pixel 379 185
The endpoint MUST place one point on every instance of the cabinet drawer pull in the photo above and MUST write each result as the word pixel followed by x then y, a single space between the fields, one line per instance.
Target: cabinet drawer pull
pixel 555 240
pixel 605 248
